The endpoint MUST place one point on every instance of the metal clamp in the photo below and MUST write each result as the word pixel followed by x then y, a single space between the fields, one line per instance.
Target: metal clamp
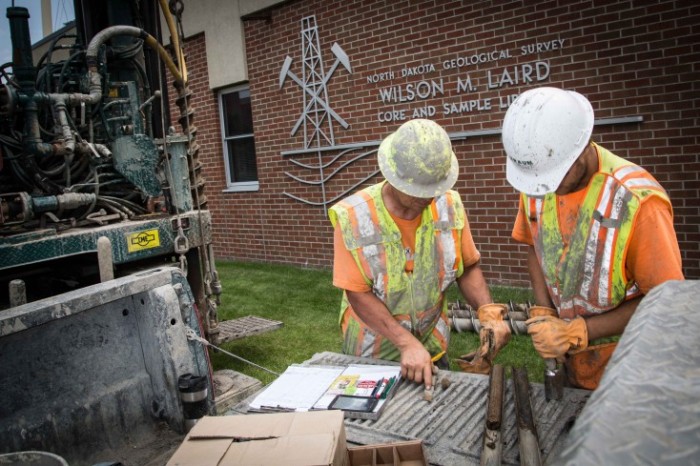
pixel 180 244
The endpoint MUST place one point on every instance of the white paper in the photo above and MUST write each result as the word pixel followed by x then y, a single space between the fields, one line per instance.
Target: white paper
pixel 302 388
pixel 298 388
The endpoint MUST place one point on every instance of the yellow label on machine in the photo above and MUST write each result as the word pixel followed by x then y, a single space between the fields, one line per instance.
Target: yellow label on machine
pixel 142 240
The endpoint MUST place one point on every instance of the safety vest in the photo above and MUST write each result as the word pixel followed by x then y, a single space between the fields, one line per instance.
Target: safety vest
pixel 588 276
pixel 414 299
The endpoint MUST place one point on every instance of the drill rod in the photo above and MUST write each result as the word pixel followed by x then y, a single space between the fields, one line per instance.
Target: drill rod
pixel 493 439
pixel 528 442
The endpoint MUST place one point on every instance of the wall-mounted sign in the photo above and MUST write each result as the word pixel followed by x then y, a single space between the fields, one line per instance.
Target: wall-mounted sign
pixel 415 97
pixel 531 73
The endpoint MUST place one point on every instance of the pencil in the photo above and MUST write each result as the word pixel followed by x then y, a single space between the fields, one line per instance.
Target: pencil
pixel 438 356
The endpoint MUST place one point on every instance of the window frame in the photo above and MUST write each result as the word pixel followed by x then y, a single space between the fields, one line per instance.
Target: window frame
pixel 234 186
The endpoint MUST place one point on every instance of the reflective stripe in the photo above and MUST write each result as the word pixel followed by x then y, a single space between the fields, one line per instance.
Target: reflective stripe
pixel 607 258
pixel 592 243
pixel 624 172
pixel 367 341
pixel 643 183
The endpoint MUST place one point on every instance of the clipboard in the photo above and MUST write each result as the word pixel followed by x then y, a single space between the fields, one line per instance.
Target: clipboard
pixel 306 388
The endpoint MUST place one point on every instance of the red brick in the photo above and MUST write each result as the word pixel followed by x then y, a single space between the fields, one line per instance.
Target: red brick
pixel 629 59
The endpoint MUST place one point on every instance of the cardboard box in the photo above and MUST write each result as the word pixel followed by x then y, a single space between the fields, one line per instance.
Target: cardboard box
pixel 315 438
pixel 408 453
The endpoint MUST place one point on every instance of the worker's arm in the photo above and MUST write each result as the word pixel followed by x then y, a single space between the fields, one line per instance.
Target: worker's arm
pixel 653 232
pixel 539 285
pixel 416 364
pixel 473 286
pixel 613 322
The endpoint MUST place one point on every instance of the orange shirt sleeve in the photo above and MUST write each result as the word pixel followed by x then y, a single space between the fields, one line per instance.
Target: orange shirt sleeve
pixel 521 229
pixel 470 255
pixel 653 255
pixel 346 273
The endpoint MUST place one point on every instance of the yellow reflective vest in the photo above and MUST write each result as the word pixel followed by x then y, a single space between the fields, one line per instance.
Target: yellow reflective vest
pixel 588 276
pixel 416 300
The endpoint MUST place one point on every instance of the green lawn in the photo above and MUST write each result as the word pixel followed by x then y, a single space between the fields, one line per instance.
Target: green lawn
pixel 308 305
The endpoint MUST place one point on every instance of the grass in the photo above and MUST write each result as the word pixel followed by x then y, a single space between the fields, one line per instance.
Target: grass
pixel 308 305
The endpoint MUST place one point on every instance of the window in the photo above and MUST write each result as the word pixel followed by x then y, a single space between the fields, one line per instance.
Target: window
pixel 239 142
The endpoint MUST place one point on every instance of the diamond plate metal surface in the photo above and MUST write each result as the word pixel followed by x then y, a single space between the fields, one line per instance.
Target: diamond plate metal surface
pixel 452 425
pixel 44 245
pixel 647 407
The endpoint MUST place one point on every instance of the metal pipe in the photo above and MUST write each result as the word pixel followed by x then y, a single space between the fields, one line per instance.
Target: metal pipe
pixel 104 259
pixel 528 442
pixel 517 327
pixel 22 61
pixel 464 319
pixel 493 438
pixel 18 293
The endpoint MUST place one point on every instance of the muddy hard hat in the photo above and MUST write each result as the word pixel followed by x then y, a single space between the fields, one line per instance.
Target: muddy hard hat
pixel 544 131
pixel 417 159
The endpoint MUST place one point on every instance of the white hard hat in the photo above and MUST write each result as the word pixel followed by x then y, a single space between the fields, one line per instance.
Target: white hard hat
pixel 544 131
pixel 417 159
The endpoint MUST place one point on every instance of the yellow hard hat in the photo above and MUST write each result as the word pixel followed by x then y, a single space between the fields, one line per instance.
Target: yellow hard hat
pixel 417 159
pixel 544 131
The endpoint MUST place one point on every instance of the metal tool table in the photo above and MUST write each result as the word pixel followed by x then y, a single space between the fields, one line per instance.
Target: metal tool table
pixel 452 425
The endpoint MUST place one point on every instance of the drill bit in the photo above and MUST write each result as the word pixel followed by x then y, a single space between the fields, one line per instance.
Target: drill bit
pixel 553 380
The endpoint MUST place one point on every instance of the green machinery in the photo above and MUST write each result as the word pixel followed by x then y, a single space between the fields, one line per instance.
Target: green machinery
pixel 88 151
pixel 108 287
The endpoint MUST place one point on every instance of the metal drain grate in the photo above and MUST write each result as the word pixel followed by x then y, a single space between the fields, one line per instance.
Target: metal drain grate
pixel 242 327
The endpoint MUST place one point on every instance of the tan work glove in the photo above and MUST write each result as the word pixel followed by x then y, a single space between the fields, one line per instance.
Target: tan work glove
pixel 491 319
pixel 554 337
pixel 540 311
pixel 493 335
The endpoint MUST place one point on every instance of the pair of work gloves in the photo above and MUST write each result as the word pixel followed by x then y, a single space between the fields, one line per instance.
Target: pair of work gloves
pixel 551 336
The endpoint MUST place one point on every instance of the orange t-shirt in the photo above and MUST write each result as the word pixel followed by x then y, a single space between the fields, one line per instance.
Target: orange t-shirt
pixel 347 275
pixel 653 256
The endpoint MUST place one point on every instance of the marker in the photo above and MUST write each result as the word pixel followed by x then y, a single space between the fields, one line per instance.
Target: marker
pixel 380 388
pixel 387 389
pixel 375 391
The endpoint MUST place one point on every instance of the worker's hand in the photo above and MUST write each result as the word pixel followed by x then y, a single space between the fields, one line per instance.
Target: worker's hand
pixel 540 311
pixel 554 337
pixel 416 364
pixel 494 333
pixel 474 363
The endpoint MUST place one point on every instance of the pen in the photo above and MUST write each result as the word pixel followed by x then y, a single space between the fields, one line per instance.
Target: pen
pixel 375 390
pixel 381 388
pixel 387 389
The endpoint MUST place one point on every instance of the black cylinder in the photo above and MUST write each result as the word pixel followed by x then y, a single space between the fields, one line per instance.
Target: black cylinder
pixel 193 394
pixel 22 62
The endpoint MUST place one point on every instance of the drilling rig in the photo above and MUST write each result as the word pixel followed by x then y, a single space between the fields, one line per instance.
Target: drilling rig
pixel 108 284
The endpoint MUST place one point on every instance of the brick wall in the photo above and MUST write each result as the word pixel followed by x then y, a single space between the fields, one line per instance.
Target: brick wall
pixel 630 59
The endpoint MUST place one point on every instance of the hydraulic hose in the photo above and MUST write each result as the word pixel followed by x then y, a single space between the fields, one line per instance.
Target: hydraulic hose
pixel 106 34
pixel 174 37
